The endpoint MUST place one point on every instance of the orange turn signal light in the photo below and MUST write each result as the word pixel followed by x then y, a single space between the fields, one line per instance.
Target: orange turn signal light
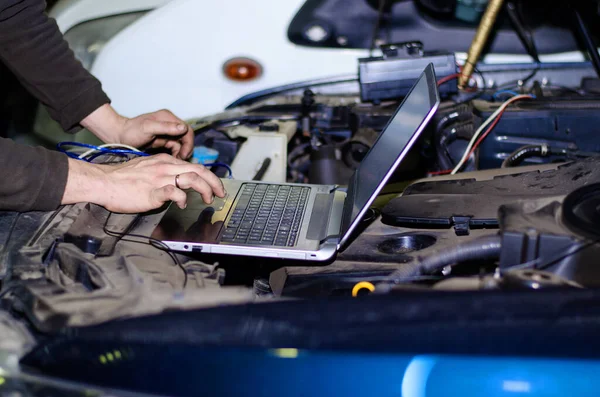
pixel 242 69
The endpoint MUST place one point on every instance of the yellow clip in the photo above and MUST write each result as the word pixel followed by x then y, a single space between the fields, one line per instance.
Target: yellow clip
pixel 361 285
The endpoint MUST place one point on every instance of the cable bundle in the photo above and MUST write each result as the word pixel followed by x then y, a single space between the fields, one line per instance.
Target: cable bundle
pixel 96 151
pixel 479 135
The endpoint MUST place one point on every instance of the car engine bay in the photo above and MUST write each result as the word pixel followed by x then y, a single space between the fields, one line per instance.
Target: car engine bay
pixel 521 213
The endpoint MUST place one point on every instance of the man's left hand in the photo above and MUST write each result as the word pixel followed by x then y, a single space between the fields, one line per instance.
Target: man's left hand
pixel 155 130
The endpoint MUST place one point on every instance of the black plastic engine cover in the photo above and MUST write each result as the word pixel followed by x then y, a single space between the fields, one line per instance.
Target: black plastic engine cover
pixel 440 203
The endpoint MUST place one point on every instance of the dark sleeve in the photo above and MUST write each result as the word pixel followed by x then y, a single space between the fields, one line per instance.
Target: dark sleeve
pixel 32 46
pixel 31 179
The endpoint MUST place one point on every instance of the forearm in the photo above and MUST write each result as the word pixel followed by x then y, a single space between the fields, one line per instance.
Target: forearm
pixel 84 183
pixel 105 123
pixel 31 178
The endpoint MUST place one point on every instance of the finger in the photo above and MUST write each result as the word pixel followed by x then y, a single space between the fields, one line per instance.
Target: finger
pixel 213 181
pixel 157 127
pixel 174 147
pixel 168 193
pixel 191 180
pixel 165 115
pixel 187 144
pixel 158 143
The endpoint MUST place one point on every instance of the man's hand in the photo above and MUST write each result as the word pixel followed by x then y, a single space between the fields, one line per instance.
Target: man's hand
pixel 139 185
pixel 156 130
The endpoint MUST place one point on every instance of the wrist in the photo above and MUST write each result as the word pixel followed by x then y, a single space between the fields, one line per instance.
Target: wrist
pixel 105 123
pixel 85 183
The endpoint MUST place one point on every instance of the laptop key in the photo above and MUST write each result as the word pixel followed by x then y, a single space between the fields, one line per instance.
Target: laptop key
pixel 267 215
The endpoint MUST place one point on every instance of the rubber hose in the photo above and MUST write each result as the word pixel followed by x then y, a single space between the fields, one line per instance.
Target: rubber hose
pixel 519 155
pixel 446 138
pixel 441 136
pixel 484 248
pixel 445 121
pixel 441 144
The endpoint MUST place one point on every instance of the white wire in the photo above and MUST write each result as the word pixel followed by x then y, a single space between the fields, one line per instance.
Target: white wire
pixel 108 145
pixel 465 156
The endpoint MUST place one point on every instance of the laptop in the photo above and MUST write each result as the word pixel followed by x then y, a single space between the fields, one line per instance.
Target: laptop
pixel 300 221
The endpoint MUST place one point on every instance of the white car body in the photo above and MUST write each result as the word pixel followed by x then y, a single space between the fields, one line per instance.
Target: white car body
pixel 173 56
pixel 70 13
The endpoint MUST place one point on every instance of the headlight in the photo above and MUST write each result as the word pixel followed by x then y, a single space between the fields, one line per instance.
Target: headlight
pixel 88 38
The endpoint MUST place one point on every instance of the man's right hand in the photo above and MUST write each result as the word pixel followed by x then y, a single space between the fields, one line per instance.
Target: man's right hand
pixel 139 185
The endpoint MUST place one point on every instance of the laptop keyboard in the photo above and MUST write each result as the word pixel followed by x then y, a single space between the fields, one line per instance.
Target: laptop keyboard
pixel 267 215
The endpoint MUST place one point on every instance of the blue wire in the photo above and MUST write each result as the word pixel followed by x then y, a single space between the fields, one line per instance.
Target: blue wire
pixel 221 165
pixel 101 151
pixel 511 92
pixel 118 152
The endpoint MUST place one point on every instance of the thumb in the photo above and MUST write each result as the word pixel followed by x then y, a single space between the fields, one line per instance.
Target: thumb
pixel 168 193
pixel 156 127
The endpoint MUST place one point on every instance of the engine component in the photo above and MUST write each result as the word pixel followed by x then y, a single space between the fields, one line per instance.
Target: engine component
pixel 451 124
pixel 308 100
pixel 516 279
pixel 536 236
pixel 519 155
pixel 392 75
pixel 480 39
pixel 474 203
pixel 533 279
pixel 484 248
pixel 353 153
pixel 581 211
pixel 204 155
pixel 253 154
pixel 326 168
pixel 566 125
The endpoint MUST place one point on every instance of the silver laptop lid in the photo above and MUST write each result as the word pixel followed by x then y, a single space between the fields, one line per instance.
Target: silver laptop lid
pixel 391 147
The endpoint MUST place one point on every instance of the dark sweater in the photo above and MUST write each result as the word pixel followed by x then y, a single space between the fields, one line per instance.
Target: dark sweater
pixel 33 48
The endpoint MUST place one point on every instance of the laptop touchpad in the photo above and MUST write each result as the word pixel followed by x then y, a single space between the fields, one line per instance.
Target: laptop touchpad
pixel 199 222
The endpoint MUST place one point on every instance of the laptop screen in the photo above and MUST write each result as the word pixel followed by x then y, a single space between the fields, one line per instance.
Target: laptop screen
pixel 394 142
